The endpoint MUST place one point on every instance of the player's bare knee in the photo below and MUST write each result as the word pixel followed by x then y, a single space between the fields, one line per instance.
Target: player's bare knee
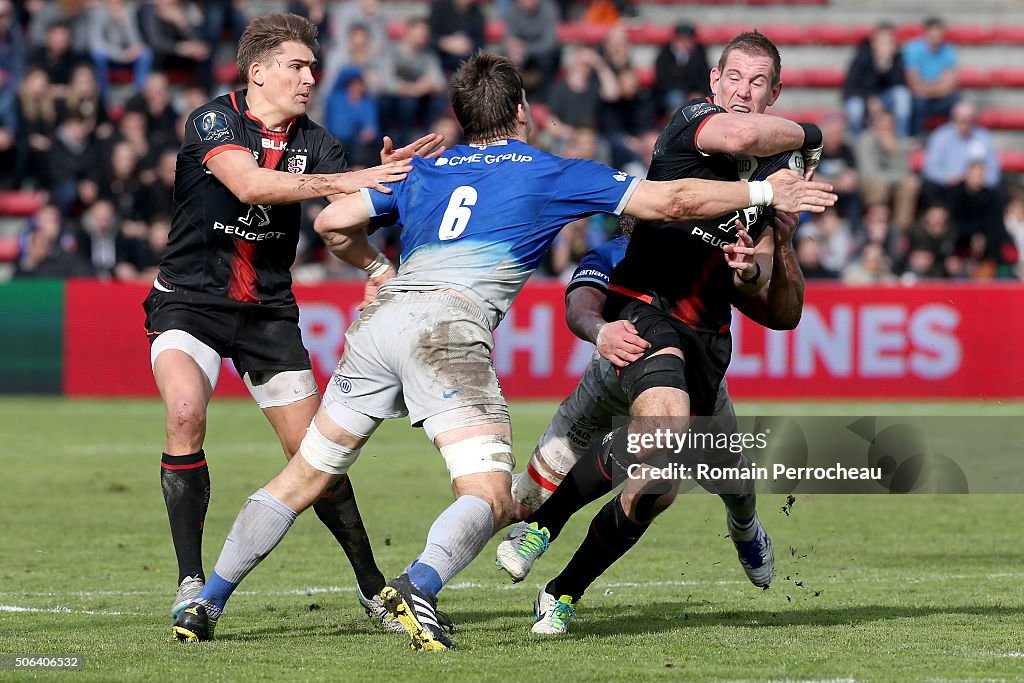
pixel 300 484
pixel 186 420
pixel 501 506
pixel 493 488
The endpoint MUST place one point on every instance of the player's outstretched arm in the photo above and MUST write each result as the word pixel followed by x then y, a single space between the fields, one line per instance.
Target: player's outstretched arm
pixel 342 226
pixel 617 341
pixel 758 135
pixel 793 194
pixel 698 199
pixel 253 184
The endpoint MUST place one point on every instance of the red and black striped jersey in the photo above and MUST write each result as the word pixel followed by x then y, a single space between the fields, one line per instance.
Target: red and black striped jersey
pixel 220 245
pixel 682 264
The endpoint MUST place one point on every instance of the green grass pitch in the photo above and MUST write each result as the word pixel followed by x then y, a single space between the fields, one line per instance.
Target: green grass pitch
pixel 880 588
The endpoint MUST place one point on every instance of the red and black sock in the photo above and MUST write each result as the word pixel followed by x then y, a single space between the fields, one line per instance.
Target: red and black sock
pixel 339 513
pixel 594 475
pixel 185 481
pixel 610 536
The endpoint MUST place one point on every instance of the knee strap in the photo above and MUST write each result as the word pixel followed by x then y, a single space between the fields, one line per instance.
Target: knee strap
pixel 663 370
pixel 478 454
pixel 325 455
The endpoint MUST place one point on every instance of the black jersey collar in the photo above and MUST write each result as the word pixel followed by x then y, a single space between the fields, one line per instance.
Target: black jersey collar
pixel 242 107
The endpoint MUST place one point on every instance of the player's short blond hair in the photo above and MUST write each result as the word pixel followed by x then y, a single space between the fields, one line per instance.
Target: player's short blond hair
pixel 754 43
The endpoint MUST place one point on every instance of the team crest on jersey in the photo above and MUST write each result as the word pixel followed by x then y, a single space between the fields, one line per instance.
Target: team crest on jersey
pixel 297 164
pixel 212 126
pixel 698 109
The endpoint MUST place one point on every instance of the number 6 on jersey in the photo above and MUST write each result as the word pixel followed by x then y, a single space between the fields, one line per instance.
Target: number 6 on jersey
pixel 456 216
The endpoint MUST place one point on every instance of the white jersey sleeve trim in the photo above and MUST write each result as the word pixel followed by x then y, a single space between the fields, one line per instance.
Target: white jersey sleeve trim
pixel 588 279
pixel 365 192
pixel 626 197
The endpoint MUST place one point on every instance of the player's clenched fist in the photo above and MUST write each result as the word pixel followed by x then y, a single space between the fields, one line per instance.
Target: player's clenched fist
pixel 794 194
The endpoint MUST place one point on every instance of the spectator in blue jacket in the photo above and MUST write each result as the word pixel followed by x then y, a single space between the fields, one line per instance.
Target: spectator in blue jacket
pixel 930 63
pixel 352 116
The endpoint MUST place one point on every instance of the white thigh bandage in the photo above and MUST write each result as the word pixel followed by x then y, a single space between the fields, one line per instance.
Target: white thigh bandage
pixel 206 358
pixel 281 388
pixel 478 454
pixel 325 455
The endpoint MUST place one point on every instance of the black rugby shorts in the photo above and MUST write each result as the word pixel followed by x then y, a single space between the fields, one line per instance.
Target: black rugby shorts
pixel 256 338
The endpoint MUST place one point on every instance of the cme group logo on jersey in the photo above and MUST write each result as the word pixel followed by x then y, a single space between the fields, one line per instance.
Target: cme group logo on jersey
pixel 212 126
pixel 480 157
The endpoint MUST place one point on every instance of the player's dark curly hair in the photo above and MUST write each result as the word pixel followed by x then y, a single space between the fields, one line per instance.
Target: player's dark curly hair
pixel 485 93
pixel 262 38
pixel 754 43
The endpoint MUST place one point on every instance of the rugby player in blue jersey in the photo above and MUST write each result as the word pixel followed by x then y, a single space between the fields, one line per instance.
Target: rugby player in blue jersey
pixel 476 222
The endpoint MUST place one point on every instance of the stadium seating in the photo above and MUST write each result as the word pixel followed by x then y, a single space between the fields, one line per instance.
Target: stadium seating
pixel 9 249
pixel 648 33
pixel 20 203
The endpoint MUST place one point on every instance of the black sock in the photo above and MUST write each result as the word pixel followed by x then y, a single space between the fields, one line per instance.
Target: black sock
pixel 611 534
pixel 590 478
pixel 185 481
pixel 339 513
pixel 742 507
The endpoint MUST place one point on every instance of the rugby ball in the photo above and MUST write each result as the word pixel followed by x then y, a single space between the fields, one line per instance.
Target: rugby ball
pixel 794 161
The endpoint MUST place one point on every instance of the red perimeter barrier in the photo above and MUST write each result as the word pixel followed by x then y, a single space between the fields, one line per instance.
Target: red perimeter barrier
pixel 926 341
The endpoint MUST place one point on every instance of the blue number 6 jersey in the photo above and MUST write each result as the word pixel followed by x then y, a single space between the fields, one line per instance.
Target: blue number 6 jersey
pixel 479 218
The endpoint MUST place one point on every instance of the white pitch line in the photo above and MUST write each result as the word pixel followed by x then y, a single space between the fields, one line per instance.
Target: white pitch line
pixel 60 610
pixel 469 585
pixel 476 585
pixel 313 590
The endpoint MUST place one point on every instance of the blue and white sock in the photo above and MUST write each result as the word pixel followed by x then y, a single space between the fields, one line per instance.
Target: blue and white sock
pixel 259 527
pixel 454 540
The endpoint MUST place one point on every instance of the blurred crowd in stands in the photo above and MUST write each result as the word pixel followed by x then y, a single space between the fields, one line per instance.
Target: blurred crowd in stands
pixel 94 93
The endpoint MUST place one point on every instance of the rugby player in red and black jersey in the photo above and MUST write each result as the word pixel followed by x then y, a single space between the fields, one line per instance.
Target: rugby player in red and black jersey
pixel 224 287
pixel 675 286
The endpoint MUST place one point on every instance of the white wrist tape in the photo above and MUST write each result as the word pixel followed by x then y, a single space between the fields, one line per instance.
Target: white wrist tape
pixel 761 193
pixel 378 265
